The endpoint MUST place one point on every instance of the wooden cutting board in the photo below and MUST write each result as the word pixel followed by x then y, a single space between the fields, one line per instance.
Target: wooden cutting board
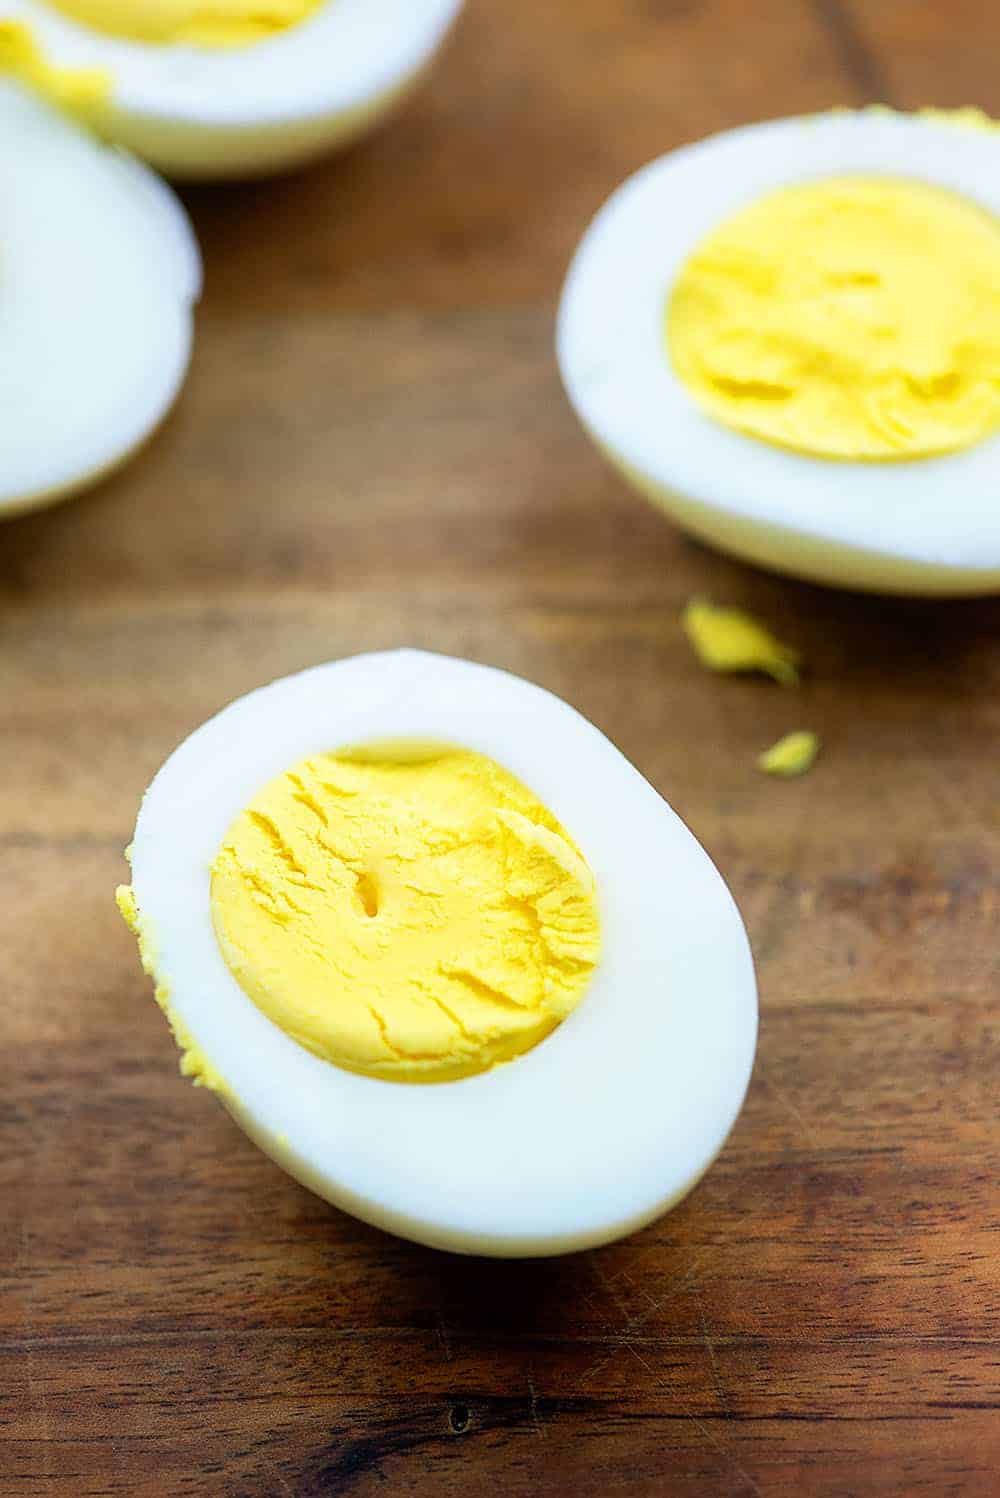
pixel 374 449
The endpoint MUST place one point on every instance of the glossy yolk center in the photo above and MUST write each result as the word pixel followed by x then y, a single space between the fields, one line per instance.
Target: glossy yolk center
pixel 852 318
pixel 418 917
pixel 199 23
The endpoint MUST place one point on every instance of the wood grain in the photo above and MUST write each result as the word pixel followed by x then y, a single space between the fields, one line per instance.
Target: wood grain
pixel 374 449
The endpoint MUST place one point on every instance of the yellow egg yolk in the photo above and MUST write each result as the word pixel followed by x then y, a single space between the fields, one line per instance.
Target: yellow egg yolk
pixel 79 92
pixel 413 916
pixel 851 318
pixel 793 754
pixel 727 639
pixel 198 23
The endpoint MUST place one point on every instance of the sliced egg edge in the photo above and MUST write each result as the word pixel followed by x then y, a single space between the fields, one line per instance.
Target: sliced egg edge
pixel 199 111
pixel 927 526
pixel 597 1130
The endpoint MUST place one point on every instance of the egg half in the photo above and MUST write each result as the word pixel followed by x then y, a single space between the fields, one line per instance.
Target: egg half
pixel 598 1126
pixel 236 89
pixel 788 337
pixel 99 273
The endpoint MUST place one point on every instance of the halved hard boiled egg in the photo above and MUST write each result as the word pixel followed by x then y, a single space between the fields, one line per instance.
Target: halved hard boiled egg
pixel 788 336
pixel 236 89
pixel 444 954
pixel 99 273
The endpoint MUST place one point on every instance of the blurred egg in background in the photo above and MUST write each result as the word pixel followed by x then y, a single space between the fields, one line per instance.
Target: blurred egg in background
pixel 100 274
pixel 236 90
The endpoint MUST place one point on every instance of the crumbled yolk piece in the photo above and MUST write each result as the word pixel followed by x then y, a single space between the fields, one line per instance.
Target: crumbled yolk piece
pixel 198 23
pixel 851 318
pixel 127 908
pixel 412 916
pixel 79 92
pixel 792 755
pixel 728 640
pixel 193 1062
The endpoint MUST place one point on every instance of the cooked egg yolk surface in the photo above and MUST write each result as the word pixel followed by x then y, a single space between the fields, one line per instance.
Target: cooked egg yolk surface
pixel 199 23
pixel 418 917
pixel 854 318
pixel 730 640
pixel 793 754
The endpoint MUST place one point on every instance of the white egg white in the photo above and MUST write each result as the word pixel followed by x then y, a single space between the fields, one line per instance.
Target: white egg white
pixel 99 272
pixel 930 526
pixel 605 1124
pixel 241 111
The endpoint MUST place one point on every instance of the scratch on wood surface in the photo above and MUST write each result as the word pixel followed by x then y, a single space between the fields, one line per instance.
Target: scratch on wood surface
pixel 444 1336
pixel 787 1103
pixel 720 1392
pixel 37 1392
pixel 535 1416
pixel 652 1252
pixel 633 1322
pixel 654 1305
pixel 626 1335
pixel 610 1287
pixel 710 1436
pixel 619 1335
pixel 767 936
pixel 768 933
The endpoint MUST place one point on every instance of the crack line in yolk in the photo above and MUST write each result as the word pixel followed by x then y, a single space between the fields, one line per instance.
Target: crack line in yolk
pixel 852 318
pixel 412 916
pixel 197 23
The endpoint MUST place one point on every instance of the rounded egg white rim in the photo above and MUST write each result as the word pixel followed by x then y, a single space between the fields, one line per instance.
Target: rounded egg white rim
pixel 617 371
pixel 164 237
pixel 344 56
pixel 595 1130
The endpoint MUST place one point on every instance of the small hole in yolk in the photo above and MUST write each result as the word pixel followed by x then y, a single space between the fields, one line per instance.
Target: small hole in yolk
pixel 368 893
